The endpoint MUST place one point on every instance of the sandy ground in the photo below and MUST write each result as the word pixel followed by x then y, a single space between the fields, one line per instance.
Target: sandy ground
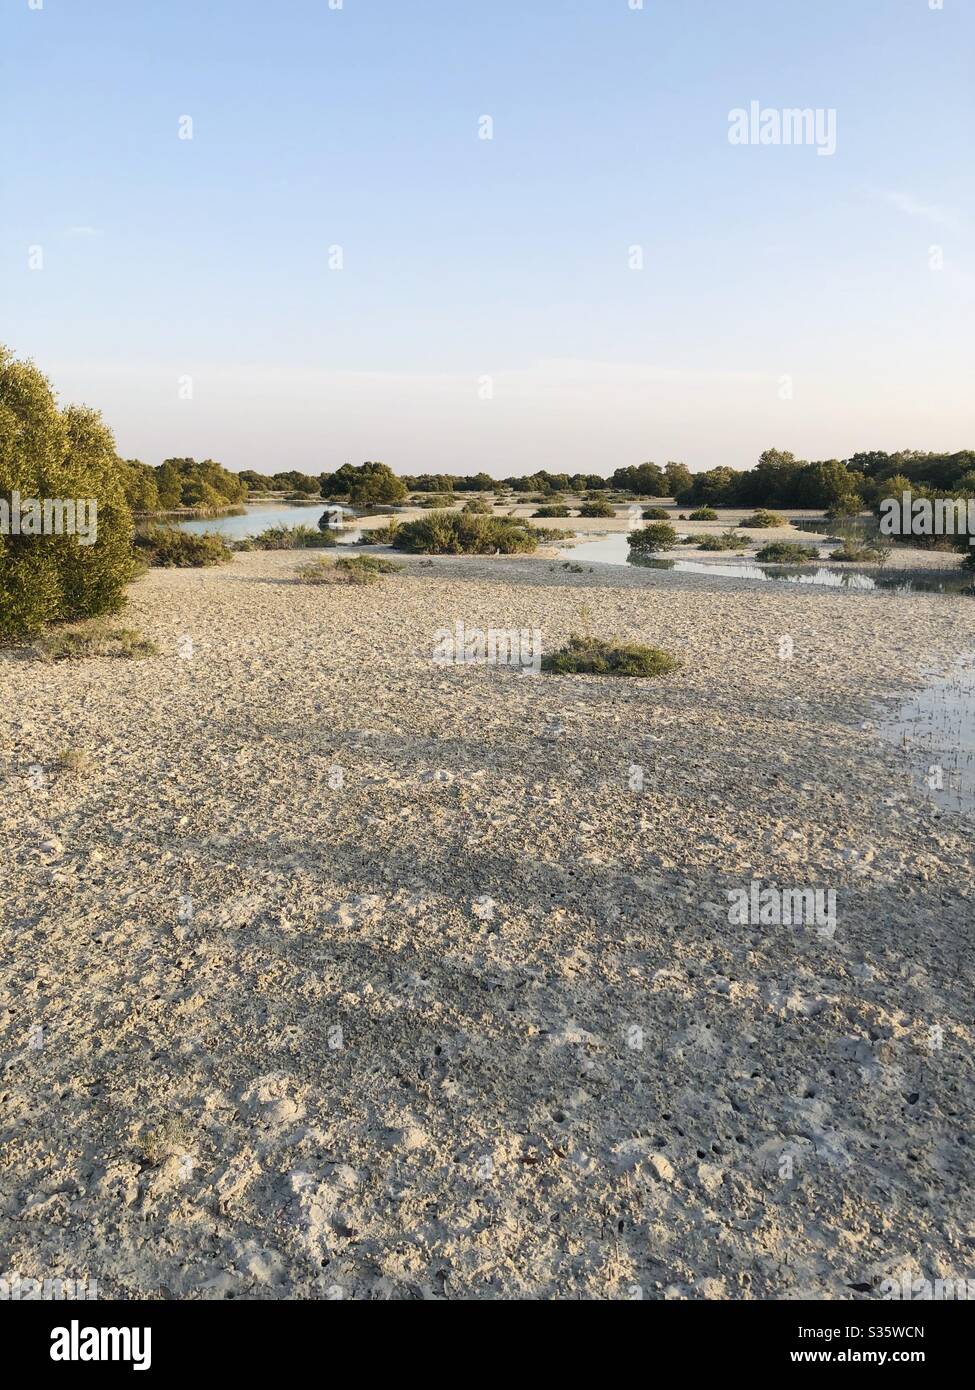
pixel 342 974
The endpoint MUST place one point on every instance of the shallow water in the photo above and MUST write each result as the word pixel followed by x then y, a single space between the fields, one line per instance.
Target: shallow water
pixel 260 517
pixel 614 550
pixel 935 727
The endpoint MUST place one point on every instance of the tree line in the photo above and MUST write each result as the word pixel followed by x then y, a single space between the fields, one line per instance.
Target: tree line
pixel 779 479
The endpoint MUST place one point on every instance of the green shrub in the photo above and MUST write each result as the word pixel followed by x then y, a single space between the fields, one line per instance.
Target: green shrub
pixel 453 533
pixel 294 538
pixel 787 553
pixel 434 500
pixel 370 564
pixel 762 520
pixel 352 569
pixel 659 535
pixel 598 508
pixel 549 533
pixel 48 454
pixel 476 507
pixel 96 637
pixel 592 656
pixel 558 510
pixel 844 507
pixel 168 548
pixel 703 514
pixel 730 540
pixel 379 535
pixel 655 514
pixel 861 552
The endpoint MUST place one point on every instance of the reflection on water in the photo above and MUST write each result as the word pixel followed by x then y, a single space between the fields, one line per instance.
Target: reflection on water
pixel 936 728
pixel 614 550
pixel 262 517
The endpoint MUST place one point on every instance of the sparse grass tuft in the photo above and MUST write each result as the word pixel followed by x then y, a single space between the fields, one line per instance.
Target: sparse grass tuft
pixel 351 569
pixel 96 637
pixel 168 1140
pixel 74 762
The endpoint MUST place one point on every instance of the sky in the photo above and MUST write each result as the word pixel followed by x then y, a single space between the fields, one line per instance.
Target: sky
pixel 338 266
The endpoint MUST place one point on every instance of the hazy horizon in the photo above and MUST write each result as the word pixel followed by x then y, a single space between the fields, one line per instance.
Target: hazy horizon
pixel 487 315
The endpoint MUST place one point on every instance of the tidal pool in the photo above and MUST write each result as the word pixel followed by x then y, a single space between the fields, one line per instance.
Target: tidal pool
pixel 261 516
pixel 935 727
pixel 614 550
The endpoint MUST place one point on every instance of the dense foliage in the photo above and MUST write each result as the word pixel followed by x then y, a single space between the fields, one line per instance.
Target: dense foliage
pixel 166 547
pixel 658 535
pixel 458 533
pixel 49 453
pixel 182 483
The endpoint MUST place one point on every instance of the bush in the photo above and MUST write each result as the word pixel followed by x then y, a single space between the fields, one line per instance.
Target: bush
pixel 168 548
pixel 434 500
pixel 844 507
pixel 47 454
pixel 549 533
pixel 292 538
pixel 453 533
pixel 476 507
pixel 762 520
pixel 703 514
pixel 862 552
pixel 787 553
pixel 598 508
pixel 659 535
pixel 655 514
pixel 353 569
pixel 379 535
pixel 96 637
pixel 730 540
pixel 595 657
pixel 552 511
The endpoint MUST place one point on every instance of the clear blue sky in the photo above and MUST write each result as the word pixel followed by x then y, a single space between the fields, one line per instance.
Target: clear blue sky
pixel 507 259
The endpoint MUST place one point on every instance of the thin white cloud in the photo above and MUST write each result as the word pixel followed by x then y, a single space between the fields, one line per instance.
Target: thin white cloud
pixel 927 212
